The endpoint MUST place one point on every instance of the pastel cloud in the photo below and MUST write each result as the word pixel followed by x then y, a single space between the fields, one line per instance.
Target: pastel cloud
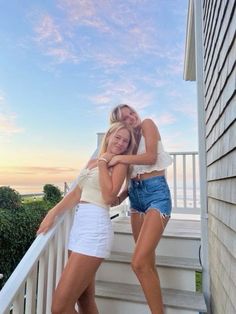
pixel 119 27
pixel 175 142
pixel 47 30
pixel 8 119
pixel 164 119
pixel 189 110
pixel 122 92
pixel 84 13
pixel 52 41
pixel 8 125
pixel 107 59
pixel 25 179
pixel 36 170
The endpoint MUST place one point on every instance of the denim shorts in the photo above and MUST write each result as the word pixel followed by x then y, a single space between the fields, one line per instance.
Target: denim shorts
pixel 151 193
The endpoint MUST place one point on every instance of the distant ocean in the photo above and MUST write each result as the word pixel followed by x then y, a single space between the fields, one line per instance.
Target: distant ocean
pixel 31 189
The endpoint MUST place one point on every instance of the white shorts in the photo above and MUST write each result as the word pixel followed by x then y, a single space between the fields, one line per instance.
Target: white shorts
pixel 91 233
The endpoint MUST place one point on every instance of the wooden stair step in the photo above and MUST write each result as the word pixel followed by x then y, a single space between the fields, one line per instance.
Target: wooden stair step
pixel 178 299
pixel 165 261
pixel 179 228
pixel 181 238
pixel 174 272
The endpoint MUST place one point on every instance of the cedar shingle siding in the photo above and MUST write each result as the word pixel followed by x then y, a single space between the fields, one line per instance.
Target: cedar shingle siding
pixel 219 39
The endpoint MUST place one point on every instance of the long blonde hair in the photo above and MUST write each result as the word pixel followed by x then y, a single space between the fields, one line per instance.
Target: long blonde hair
pixel 115 127
pixel 116 114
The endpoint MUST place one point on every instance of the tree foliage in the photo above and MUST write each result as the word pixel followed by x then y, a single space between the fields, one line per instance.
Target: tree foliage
pixel 17 232
pixel 52 194
pixel 9 198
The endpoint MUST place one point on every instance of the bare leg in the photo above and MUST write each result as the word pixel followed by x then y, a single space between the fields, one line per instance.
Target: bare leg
pixel 137 220
pixel 143 261
pixel 86 301
pixel 79 272
pixel 136 224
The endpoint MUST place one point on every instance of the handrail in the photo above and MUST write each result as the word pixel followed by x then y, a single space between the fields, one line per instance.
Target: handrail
pixel 26 265
pixel 183 153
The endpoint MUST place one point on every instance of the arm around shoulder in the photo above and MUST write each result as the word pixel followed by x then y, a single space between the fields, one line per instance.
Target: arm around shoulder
pixel 112 183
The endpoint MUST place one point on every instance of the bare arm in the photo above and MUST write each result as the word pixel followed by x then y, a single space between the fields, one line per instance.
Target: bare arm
pixel 151 136
pixel 68 202
pixel 111 183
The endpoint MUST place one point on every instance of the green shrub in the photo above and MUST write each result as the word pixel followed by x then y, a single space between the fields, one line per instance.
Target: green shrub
pixel 9 198
pixel 198 281
pixel 17 232
pixel 52 194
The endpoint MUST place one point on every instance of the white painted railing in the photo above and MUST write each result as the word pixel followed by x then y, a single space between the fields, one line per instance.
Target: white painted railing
pixel 183 179
pixel 29 289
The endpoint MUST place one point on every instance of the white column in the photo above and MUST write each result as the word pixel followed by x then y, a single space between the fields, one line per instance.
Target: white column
pixel 198 17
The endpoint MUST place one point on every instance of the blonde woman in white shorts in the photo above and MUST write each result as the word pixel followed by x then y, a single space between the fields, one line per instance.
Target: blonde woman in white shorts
pixel 91 234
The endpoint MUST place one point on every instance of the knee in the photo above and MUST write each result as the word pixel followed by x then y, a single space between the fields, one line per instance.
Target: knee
pixel 139 266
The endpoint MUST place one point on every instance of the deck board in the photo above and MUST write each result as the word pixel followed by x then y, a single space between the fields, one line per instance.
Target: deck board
pixel 175 228
pixel 171 297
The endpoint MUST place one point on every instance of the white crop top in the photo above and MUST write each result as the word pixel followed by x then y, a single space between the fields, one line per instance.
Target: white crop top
pixel 163 159
pixel 88 181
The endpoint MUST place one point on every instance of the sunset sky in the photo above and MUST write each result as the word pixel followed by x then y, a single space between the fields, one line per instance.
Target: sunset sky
pixel 64 64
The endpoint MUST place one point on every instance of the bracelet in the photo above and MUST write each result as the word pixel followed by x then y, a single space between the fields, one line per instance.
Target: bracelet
pixel 103 159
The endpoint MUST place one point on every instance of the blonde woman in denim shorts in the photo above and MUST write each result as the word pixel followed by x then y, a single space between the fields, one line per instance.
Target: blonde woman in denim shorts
pixel 150 199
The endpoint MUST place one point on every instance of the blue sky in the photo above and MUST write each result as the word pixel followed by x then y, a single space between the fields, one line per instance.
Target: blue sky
pixel 64 64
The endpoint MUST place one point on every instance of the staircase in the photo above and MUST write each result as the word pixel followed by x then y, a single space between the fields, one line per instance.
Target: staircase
pixel 30 287
pixel 117 288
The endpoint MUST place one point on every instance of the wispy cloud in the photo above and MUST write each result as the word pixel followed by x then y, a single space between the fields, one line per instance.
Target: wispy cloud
pixel 189 110
pixel 30 179
pixel 1 97
pixel 176 68
pixel 177 141
pixel 108 60
pixel 85 13
pixel 110 34
pixel 47 30
pixel 52 41
pixel 122 92
pixel 8 124
pixel 36 170
pixel 62 54
pixel 164 119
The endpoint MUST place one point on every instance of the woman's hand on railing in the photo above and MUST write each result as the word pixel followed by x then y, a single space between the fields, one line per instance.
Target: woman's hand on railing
pixel 47 222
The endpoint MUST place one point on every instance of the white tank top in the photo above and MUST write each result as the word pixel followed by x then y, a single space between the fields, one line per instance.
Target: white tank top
pixel 163 159
pixel 88 182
